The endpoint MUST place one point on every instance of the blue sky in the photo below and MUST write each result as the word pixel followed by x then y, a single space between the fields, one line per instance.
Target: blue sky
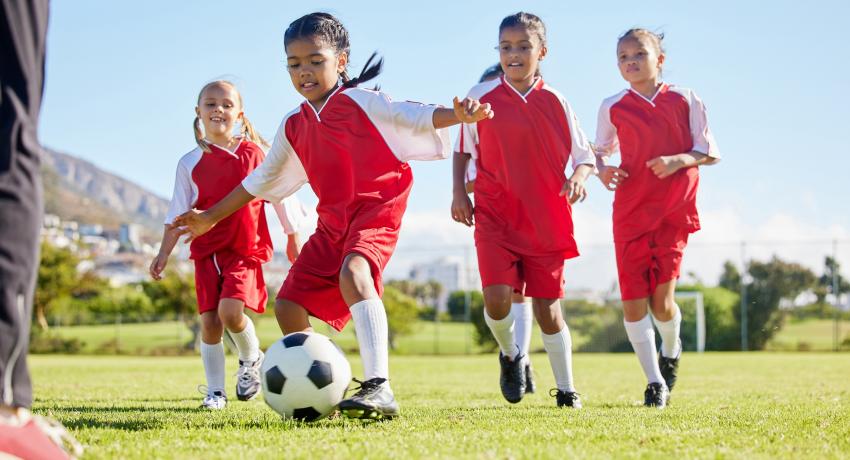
pixel 122 79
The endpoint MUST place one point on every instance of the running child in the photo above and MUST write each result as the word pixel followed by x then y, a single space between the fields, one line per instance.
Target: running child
pixel 353 145
pixel 520 305
pixel 228 260
pixel 661 133
pixel 523 215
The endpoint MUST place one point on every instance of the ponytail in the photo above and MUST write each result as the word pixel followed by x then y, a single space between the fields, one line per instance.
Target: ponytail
pixel 199 136
pixel 251 134
pixel 369 72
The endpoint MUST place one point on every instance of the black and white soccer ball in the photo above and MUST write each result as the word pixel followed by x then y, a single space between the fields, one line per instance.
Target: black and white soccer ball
pixel 304 376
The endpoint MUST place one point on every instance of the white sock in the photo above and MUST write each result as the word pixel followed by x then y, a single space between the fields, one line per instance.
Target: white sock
pixel 247 343
pixel 671 346
pixel 503 331
pixel 522 325
pixel 642 336
pixel 370 324
pixel 213 357
pixel 559 347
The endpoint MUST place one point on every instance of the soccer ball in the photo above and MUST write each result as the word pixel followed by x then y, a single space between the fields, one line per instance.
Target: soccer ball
pixel 304 376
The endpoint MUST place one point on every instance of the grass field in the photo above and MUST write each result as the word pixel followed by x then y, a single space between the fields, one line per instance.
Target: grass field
pixel 726 405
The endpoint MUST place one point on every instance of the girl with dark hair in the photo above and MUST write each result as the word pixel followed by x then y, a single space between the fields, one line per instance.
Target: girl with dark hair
pixel 523 196
pixel 353 146
pixel 661 133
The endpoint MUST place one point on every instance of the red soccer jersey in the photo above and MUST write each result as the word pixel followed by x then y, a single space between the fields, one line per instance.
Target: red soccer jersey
pixel 354 151
pixel 521 155
pixel 640 129
pixel 203 179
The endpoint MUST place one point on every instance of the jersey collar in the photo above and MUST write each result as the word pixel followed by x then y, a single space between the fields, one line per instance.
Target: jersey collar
pixel 661 89
pixel 317 113
pixel 225 150
pixel 537 84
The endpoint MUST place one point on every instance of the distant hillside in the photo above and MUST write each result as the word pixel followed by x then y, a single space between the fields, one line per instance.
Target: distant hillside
pixel 75 189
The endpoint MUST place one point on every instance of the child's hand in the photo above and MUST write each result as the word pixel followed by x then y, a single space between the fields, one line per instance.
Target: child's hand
pixel 664 167
pixel 612 177
pixel 293 247
pixel 462 209
pixel 574 189
pixel 194 223
pixel 471 110
pixel 158 265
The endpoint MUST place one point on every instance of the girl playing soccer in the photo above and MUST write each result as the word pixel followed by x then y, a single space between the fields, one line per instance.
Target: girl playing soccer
pixel 353 146
pixel 523 218
pixel 228 272
pixel 662 135
pixel 520 305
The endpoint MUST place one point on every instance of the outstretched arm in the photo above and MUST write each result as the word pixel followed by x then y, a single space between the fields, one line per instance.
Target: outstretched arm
pixel 665 166
pixel 170 236
pixel 196 223
pixel 465 111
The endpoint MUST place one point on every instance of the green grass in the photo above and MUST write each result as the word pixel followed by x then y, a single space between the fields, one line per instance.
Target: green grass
pixel 145 338
pixel 726 405
pixel 806 335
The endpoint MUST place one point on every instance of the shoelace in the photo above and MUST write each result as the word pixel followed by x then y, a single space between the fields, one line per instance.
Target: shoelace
pixel 59 435
pixel 572 395
pixel 248 374
pixel 366 388
pixel 204 390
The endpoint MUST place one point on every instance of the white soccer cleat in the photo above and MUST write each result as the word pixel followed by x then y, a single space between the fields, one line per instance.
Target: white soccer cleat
pixel 214 400
pixel 248 379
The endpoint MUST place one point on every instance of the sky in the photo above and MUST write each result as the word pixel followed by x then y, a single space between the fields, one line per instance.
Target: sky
pixel 122 80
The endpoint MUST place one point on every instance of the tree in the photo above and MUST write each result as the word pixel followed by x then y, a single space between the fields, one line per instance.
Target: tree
pixel 402 311
pixel 175 293
pixel 771 282
pixel 57 278
pixel 825 283
pixel 730 278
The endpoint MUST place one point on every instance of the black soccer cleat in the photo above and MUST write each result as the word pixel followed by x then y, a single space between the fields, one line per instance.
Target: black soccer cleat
pixel 566 398
pixel 373 401
pixel 669 369
pixel 656 395
pixel 512 378
pixel 530 386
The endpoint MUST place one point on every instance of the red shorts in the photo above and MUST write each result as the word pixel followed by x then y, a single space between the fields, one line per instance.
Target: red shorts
pixel 313 280
pixel 534 276
pixel 229 275
pixel 649 260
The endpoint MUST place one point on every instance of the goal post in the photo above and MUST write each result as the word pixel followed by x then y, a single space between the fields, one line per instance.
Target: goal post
pixel 700 315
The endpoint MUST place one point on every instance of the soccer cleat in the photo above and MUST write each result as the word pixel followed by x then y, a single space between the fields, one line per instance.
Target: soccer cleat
pixel 373 401
pixel 669 369
pixel 656 395
pixel 512 379
pixel 214 400
pixel 530 386
pixel 248 379
pixel 566 398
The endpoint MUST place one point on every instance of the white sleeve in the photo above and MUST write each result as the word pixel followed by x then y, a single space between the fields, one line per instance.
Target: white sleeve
pixel 290 213
pixel 703 139
pixel 580 150
pixel 407 127
pixel 471 171
pixel 467 139
pixel 184 196
pixel 280 174
pixel 607 143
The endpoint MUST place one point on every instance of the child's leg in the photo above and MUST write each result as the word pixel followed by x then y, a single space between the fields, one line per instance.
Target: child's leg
pixel 523 318
pixel 500 319
pixel 642 337
pixel 241 328
pixel 668 318
pixel 291 317
pixel 367 310
pixel 212 350
pixel 556 340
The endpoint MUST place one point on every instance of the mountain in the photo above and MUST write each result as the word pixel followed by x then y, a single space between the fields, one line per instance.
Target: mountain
pixel 75 189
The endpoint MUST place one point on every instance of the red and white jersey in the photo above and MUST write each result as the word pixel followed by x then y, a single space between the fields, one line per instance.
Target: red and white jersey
pixel 354 152
pixel 640 129
pixel 203 179
pixel 521 156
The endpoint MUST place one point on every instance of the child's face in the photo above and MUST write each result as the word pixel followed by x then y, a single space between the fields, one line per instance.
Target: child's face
pixel 219 110
pixel 520 53
pixel 638 59
pixel 314 67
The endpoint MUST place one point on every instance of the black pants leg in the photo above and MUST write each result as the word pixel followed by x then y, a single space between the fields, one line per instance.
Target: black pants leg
pixel 23 28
